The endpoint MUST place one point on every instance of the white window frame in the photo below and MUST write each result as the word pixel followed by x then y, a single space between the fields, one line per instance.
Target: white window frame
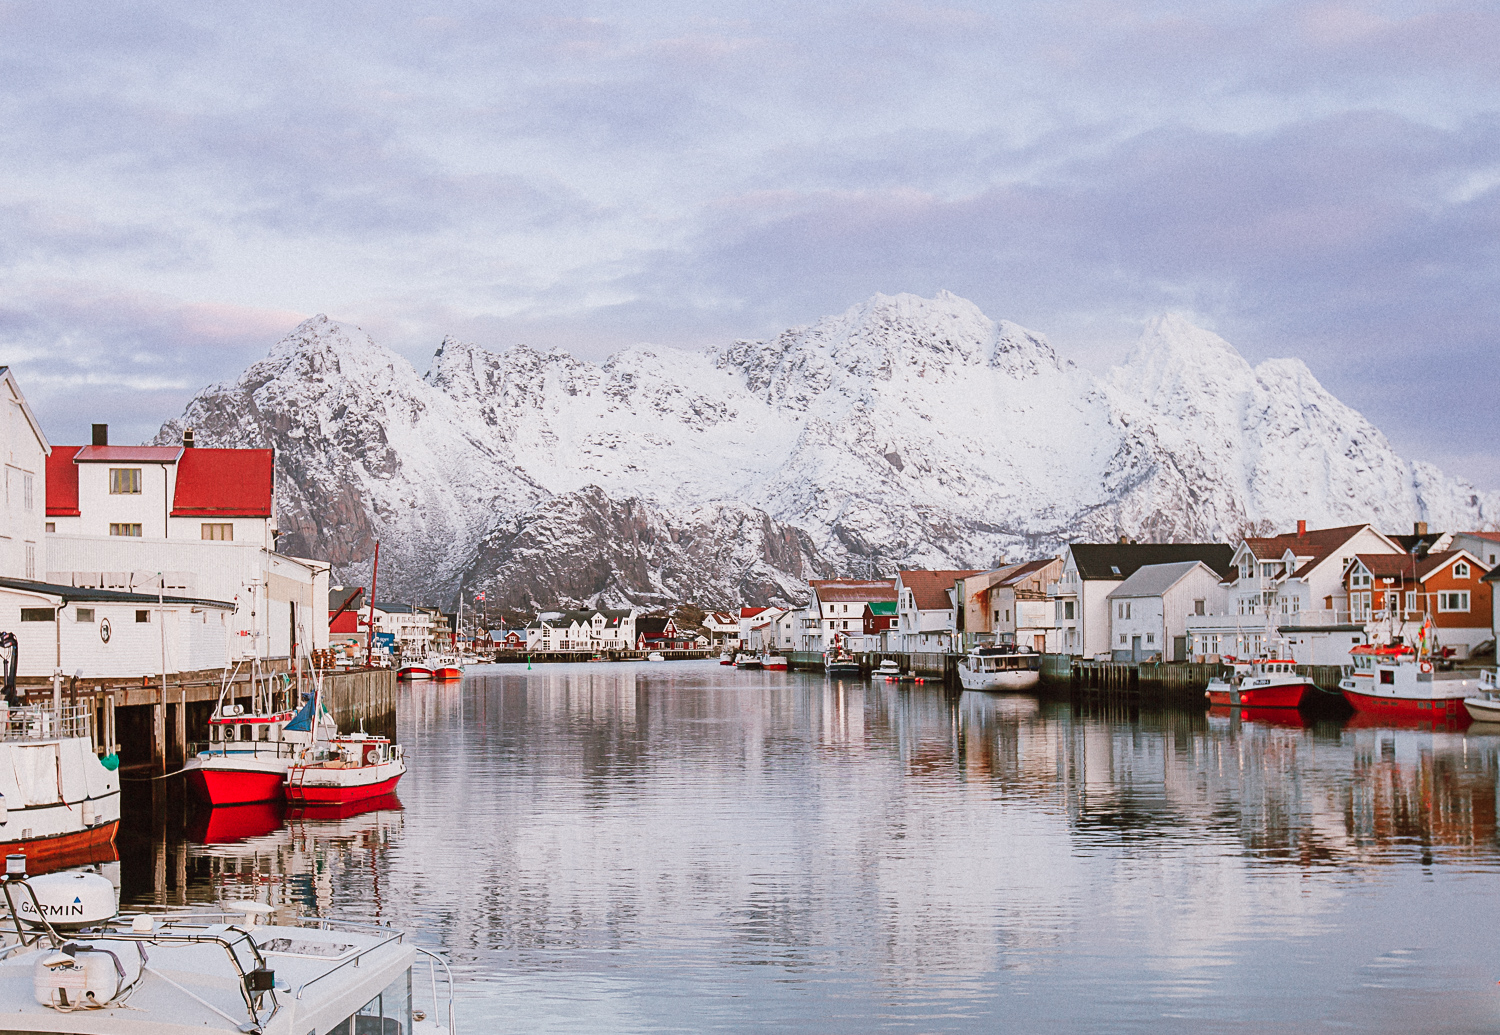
pixel 1460 568
pixel 1458 596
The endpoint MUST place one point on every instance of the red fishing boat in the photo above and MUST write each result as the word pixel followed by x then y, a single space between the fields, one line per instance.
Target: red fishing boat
pixel 359 766
pixel 1262 683
pixel 1397 681
pixel 251 747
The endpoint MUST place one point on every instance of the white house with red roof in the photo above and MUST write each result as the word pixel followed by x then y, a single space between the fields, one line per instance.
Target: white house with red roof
pixel 723 628
pixel 1485 546
pixel 62 629
pixel 927 609
pixel 185 521
pixel 837 608
pixel 1286 593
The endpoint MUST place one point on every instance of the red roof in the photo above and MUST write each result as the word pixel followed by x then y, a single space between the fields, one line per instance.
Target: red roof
pixel 224 483
pixel 62 482
pixel 128 454
pixel 930 588
pixel 1316 544
pixel 750 612
pixel 1399 565
pixel 853 590
pixel 1493 537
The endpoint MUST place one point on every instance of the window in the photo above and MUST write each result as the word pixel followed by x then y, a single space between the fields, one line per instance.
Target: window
pixel 1387 676
pixel 1453 601
pixel 1460 570
pixel 125 481
pixel 224 531
pixel 1122 639
pixel 31 560
pixel 84 614
pixel 1068 609
pixel 1007 614
pixel 28 483
pixel 1411 601
pixel 1151 637
pixel 119 528
pixel 37 614
pixel 1198 607
pixel 52 526
pixel 142 617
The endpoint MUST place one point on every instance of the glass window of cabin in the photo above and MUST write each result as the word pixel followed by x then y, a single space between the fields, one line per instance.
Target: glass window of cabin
pixel 1387 676
pixel 127 528
pixel 84 614
pixel 125 481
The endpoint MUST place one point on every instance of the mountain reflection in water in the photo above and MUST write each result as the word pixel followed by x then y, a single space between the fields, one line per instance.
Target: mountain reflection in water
pixel 617 847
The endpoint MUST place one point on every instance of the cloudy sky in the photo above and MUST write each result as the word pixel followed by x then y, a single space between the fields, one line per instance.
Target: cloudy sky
pixel 182 183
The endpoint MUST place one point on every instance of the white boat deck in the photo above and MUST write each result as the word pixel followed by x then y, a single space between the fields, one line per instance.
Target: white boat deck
pixel 323 976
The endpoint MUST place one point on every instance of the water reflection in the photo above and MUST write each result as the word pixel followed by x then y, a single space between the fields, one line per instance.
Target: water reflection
pixel 632 847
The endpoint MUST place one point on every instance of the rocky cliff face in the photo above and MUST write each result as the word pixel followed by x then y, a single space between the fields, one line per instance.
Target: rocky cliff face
pixel 906 431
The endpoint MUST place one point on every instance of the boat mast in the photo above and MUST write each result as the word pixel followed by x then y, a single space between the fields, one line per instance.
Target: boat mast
pixel 370 623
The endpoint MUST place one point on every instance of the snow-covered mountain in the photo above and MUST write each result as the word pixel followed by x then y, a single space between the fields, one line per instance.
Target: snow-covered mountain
pixel 906 431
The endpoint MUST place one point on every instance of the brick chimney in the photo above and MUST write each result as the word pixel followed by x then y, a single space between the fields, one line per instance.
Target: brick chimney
pixel 1419 528
pixel 1301 528
pixel 101 434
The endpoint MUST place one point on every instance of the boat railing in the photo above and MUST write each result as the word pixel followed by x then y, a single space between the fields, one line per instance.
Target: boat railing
pixel 433 962
pixel 43 722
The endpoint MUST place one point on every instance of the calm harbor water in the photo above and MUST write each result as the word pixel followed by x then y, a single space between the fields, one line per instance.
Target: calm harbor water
pixel 684 847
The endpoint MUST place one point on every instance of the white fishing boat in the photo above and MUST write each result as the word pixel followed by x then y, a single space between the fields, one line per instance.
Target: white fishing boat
pixel 57 799
pixel 655 656
pixel 71 963
pixel 749 661
pixel 1000 668
pixel 1484 706
pixel 358 766
pixel 889 669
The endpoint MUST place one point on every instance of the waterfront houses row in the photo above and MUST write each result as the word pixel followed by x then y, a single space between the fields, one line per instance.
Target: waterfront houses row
pixel 1311 593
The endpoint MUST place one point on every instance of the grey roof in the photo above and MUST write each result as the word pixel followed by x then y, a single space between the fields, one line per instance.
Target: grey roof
pixel 77 594
pixel 1152 580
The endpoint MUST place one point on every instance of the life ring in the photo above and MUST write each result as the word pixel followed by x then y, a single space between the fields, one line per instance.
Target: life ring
pixel 1426 666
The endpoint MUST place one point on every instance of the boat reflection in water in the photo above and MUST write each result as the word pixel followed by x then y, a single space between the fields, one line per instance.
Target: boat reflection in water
pixel 684 845
pixel 1291 718
pixel 283 855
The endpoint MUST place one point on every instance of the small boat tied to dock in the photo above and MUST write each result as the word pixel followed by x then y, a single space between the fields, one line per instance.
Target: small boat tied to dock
pixel 1260 683
pixel 1484 706
pixel 70 962
pixel 58 799
pixel 250 749
pixel 1396 680
pixel 358 766
pixel 999 668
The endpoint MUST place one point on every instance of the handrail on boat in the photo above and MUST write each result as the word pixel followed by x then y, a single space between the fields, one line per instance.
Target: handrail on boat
pixel 447 976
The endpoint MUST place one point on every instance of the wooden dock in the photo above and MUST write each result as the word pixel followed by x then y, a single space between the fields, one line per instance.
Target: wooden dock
pixel 151 728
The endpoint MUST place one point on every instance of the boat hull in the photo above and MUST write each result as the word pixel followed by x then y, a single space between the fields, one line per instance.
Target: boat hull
pixel 316 786
pixel 237 783
pixel 1410 709
pixel 998 682
pixel 1284 695
pixel 409 673
pixel 1482 709
pixel 775 664
pixel 751 664
pixel 68 848
pixel 841 669
pixel 448 672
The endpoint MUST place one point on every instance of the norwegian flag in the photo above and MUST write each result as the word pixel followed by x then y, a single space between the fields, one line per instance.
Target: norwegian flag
pixel 478 597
